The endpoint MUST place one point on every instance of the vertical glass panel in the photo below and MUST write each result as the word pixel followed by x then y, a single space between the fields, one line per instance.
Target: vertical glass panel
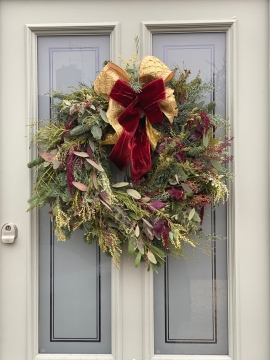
pixel 74 277
pixel 190 296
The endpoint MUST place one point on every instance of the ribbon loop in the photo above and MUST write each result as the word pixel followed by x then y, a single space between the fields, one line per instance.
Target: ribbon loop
pixel 133 144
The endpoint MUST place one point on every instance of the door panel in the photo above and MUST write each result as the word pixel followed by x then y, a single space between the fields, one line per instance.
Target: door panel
pixel 132 319
pixel 190 296
pixel 74 278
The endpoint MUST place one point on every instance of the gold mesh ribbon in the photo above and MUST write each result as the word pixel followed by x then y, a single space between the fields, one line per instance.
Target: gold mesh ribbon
pixel 150 68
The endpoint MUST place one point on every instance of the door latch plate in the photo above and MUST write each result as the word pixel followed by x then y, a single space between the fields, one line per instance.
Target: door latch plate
pixel 9 232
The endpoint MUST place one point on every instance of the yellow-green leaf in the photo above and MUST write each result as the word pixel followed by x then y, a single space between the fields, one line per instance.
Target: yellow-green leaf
pixel 120 184
pixel 191 214
pixel 151 257
pixel 134 194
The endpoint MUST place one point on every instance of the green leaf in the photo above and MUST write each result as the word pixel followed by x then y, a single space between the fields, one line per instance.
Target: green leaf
pixel 200 105
pixel 140 246
pixel 96 132
pixel 196 217
pixel 186 188
pixel 92 145
pixel 191 214
pixel 205 140
pixel 171 235
pixel 217 165
pixel 138 259
pixel 151 257
pixel 103 115
pixel 131 247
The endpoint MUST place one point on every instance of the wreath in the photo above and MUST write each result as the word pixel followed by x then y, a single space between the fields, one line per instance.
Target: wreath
pixel 150 123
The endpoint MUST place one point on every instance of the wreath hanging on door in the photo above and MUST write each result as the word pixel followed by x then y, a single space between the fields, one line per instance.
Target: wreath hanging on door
pixel 152 126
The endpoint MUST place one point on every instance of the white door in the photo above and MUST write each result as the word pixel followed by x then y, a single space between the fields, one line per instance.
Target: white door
pixel 226 317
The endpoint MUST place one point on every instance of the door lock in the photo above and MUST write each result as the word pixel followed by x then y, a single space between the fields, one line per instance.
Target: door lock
pixel 9 232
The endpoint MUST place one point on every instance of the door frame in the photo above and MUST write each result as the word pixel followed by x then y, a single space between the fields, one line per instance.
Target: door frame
pixel 32 31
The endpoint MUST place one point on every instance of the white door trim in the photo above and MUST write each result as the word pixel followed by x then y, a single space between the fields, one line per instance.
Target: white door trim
pixel 32 32
pixel 148 28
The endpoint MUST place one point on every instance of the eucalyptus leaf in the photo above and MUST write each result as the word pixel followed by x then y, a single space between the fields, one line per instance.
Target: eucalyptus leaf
pixel 138 259
pixel 205 140
pixel 103 115
pixel 217 165
pixel 137 231
pixel 196 217
pixel 131 247
pixel 186 188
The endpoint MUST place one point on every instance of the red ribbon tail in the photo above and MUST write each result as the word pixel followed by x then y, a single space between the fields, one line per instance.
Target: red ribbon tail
pixel 140 159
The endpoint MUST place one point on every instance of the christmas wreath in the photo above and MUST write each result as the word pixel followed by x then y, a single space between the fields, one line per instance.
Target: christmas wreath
pixel 150 123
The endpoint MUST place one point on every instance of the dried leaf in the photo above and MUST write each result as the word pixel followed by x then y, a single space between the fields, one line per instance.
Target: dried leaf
pixel 94 175
pixel 191 214
pixel 134 194
pixel 147 223
pixel 56 164
pixel 79 185
pixel 137 231
pixel 146 199
pixel 172 181
pixel 107 206
pixel 120 184
pixel 98 167
pixel 151 257
pixel 81 154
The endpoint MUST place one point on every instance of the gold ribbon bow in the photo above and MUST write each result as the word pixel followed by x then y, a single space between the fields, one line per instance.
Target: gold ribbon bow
pixel 150 68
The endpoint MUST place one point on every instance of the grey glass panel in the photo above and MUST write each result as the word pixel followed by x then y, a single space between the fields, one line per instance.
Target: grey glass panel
pixel 74 278
pixel 190 297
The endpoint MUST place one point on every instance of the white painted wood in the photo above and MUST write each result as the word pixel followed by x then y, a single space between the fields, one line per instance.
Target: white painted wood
pixel 249 268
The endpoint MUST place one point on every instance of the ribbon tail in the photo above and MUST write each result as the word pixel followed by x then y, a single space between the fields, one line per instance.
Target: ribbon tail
pixel 140 158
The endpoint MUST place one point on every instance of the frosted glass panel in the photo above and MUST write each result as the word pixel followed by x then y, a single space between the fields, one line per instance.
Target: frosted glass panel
pixel 190 296
pixel 74 277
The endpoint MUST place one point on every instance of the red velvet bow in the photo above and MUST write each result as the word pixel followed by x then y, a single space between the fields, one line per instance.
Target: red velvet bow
pixel 133 144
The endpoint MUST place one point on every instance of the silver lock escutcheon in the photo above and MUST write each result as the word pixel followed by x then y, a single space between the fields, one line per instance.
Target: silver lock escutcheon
pixel 9 232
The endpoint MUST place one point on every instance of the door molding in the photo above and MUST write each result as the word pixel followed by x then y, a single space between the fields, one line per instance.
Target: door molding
pixel 32 31
pixel 147 30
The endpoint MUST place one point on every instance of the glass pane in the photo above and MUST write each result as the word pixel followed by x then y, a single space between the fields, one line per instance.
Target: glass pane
pixel 74 277
pixel 190 296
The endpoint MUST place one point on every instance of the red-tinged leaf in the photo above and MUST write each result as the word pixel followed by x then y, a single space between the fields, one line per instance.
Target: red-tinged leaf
pixel 107 206
pixel 134 194
pixel 105 197
pixel 79 185
pixel 81 154
pixel 95 165
pixel 94 175
pixel 158 204
pixel 46 156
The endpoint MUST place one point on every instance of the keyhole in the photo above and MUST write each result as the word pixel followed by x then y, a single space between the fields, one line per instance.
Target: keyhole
pixel 8 227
